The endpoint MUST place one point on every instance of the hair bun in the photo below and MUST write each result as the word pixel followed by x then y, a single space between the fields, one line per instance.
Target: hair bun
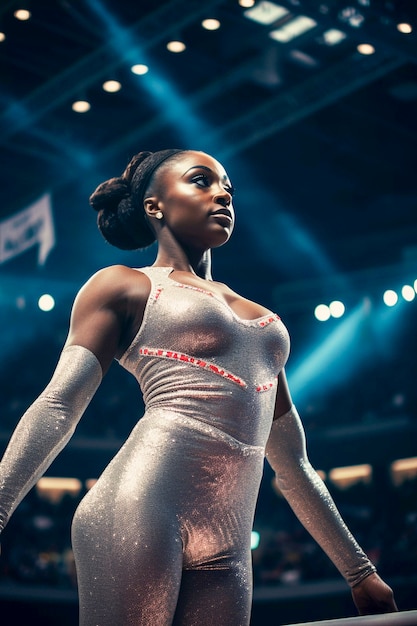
pixel 109 194
pixel 121 217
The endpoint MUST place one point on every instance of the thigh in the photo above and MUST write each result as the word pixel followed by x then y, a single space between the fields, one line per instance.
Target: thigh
pixel 128 563
pixel 211 596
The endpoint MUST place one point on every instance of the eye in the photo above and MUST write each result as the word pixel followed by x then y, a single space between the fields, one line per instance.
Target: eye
pixel 230 189
pixel 201 180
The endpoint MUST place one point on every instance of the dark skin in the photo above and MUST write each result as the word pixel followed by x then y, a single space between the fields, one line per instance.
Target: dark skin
pixel 194 195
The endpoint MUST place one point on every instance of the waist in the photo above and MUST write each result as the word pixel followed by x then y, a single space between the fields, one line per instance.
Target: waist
pixel 244 416
pixel 192 428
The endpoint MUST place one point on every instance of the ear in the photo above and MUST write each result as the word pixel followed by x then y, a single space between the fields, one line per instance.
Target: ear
pixel 151 206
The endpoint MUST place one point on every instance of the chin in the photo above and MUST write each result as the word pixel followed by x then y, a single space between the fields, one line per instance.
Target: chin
pixel 220 242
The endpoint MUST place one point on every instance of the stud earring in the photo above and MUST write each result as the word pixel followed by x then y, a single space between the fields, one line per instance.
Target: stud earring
pixel 159 215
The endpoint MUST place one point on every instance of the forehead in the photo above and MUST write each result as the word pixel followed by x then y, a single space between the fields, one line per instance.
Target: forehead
pixel 193 159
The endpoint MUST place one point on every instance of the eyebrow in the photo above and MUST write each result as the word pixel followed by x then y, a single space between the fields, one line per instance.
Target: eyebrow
pixel 207 169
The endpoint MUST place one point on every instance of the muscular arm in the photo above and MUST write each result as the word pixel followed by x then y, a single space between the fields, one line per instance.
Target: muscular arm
pixel 311 502
pixel 96 334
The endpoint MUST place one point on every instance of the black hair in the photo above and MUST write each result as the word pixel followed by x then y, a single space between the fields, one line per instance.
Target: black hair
pixel 119 201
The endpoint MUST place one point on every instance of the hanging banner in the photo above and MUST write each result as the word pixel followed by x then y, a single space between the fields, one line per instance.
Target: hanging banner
pixel 34 225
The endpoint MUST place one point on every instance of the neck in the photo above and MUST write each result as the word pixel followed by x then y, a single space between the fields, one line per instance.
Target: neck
pixel 198 263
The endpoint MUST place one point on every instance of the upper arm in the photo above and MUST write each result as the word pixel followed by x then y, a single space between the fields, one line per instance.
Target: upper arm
pixel 101 312
pixel 283 401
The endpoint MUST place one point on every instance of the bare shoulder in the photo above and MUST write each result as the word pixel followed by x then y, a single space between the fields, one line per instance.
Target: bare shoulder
pixel 108 311
pixel 114 284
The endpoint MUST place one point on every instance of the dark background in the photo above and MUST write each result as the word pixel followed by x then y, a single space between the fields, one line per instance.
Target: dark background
pixel 320 143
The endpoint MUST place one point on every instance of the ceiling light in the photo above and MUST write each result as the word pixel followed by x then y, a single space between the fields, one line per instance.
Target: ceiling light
pixel 322 312
pixel 365 48
pixel 46 302
pixel 266 12
pixel 405 28
pixel 246 3
pixel 390 298
pixel 22 15
pixel 333 36
pixel 81 106
pixel 292 29
pixel 408 293
pixel 210 24
pixel 337 308
pixel 176 46
pixel 112 86
pixel 140 69
pixel 2 36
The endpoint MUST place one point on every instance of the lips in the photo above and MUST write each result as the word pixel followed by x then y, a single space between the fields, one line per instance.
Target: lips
pixel 223 214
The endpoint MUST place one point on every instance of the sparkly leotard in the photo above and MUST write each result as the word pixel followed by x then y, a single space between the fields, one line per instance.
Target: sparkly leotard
pixel 164 535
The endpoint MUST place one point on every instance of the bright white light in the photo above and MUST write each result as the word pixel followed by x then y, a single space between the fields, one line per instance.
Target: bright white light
pixel 176 46
pixel 390 297
pixel 322 312
pixel 333 36
pixel 112 86
pixel 246 3
pixel 254 539
pixel 139 69
pixel 46 302
pixel 266 12
pixel 81 106
pixel 2 37
pixel 337 308
pixel 405 28
pixel 365 48
pixel 210 24
pixel 408 293
pixel 293 28
pixel 22 14
pixel 415 285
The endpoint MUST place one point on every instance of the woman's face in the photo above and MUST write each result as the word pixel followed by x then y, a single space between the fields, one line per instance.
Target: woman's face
pixel 195 197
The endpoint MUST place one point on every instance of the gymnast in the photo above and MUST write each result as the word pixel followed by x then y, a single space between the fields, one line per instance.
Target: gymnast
pixel 163 537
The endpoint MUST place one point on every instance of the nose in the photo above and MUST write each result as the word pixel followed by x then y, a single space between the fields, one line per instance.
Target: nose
pixel 223 198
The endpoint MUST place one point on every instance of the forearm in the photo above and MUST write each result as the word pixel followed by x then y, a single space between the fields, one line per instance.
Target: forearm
pixel 310 500
pixel 47 426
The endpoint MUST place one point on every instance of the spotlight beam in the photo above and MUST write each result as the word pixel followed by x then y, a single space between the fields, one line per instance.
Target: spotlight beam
pixel 278 112
pixel 305 99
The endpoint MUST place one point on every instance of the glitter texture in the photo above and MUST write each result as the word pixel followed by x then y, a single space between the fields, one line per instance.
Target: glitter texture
pixel 163 537
pixel 310 499
pixel 47 426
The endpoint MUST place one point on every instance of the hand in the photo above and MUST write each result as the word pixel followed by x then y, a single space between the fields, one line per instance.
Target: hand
pixel 372 596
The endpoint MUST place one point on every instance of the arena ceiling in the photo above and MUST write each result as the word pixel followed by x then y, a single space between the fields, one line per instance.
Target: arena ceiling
pixel 319 138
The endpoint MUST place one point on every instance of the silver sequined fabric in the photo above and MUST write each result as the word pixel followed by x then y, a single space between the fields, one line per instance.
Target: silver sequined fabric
pixel 310 499
pixel 164 535
pixel 47 426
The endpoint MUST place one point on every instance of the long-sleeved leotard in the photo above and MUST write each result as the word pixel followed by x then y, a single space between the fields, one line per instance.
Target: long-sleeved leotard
pixel 164 535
